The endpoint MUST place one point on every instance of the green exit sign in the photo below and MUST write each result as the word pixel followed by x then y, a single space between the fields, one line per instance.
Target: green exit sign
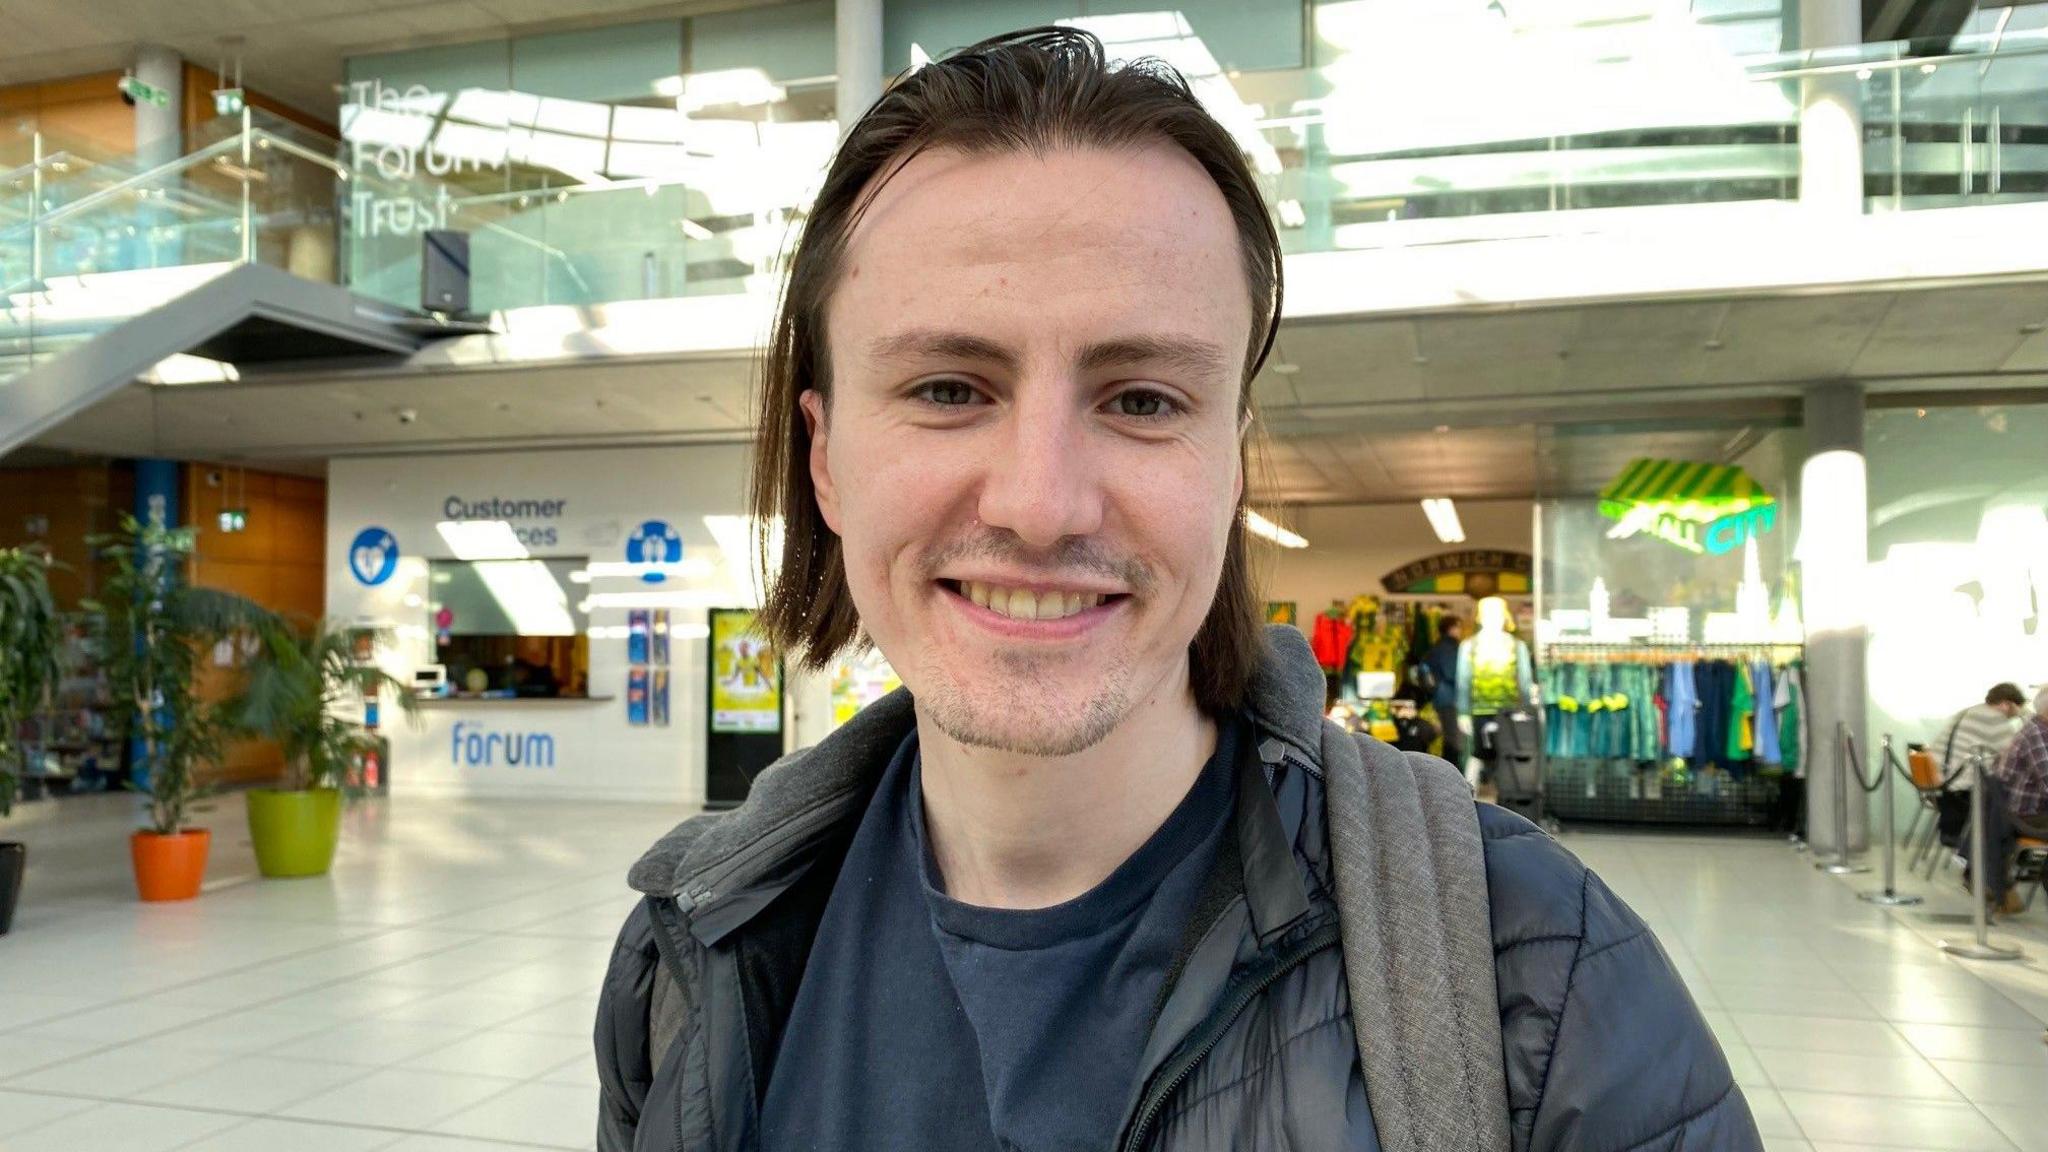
pixel 228 102
pixel 143 93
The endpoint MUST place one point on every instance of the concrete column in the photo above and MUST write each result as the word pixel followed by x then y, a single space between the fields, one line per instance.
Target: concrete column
pixel 1831 113
pixel 160 132
pixel 1833 554
pixel 857 31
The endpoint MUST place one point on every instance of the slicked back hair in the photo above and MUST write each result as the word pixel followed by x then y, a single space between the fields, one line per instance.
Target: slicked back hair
pixel 1034 91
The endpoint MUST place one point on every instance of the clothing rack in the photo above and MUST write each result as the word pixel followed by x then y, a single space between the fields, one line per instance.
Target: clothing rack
pixel 1572 653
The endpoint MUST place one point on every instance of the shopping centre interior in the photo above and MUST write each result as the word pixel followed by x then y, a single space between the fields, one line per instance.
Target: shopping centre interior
pixel 1663 341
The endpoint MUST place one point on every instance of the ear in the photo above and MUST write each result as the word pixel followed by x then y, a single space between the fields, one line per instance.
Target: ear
pixel 813 404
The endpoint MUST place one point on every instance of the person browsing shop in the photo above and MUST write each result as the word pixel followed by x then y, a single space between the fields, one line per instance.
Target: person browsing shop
pixel 1441 661
pixel 1100 876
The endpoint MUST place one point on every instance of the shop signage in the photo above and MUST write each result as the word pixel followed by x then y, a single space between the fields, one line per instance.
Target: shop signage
pixel 654 544
pixel 475 747
pixel 1705 509
pixel 1470 572
pixel 511 511
pixel 399 157
pixel 373 556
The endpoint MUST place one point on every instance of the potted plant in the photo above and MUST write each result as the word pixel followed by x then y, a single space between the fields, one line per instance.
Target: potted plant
pixel 29 639
pixel 301 691
pixel 156 626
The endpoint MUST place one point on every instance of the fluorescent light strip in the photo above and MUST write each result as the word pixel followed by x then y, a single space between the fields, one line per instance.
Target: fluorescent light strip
pixel 1443 517
pixel 1258 525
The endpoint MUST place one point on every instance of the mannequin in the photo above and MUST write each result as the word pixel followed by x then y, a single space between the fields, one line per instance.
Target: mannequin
pixel 1494 676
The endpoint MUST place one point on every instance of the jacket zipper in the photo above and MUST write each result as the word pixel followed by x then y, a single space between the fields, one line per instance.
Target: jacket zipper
pixel 1219 1024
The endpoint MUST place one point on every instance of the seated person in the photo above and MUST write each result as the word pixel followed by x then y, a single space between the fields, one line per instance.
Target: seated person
pixel 533 673
pixel 1988 727
pixel 2023 770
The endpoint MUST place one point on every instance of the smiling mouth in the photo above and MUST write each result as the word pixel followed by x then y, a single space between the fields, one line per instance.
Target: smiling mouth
pixel 1029 604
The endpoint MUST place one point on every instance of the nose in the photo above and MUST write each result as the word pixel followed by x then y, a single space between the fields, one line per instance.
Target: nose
pixel 1041 480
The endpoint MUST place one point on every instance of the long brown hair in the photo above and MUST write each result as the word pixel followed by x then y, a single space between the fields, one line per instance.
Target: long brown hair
pixel 1030 91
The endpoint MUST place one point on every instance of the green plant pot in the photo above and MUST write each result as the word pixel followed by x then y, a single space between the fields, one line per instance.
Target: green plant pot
pixel 294 832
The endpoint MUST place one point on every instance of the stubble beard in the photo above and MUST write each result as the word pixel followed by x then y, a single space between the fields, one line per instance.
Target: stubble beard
pixel 1022 709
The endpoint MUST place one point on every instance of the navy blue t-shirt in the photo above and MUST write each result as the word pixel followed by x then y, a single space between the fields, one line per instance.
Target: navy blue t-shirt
pixel 923 1022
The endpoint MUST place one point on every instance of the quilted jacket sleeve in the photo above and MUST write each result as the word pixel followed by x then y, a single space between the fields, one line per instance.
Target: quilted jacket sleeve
pixel 624 1068
pixel 1604 1049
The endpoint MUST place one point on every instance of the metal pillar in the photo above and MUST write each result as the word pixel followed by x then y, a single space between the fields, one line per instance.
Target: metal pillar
pixel 1833 553
pixel 857 32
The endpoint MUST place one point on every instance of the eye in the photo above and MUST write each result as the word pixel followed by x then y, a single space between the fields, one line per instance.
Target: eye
pixel 946 393
pixel 1142 404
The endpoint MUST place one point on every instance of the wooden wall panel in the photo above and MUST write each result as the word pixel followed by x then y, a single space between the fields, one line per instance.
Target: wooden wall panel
pixel 58 508
pixel 84 110
pixel 198 104
pixel 278 560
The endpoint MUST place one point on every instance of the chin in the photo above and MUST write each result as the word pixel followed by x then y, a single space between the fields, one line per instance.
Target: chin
pixel 1016 720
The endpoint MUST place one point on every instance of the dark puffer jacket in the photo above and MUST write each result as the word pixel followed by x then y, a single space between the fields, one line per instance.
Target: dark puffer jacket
pixel 1253 1048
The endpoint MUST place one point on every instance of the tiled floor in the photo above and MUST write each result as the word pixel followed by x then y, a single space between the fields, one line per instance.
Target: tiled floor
pixel 435 994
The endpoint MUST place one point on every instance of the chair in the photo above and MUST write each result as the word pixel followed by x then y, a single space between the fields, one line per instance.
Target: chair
pixel 2030 870
pixel 1926 776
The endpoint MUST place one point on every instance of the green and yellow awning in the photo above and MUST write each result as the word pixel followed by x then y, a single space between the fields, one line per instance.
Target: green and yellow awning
pixel 1685 489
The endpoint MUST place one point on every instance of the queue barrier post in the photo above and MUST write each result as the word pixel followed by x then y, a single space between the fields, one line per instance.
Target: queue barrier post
pixel 1841 864
pixel 1980 948
pixel 1888 896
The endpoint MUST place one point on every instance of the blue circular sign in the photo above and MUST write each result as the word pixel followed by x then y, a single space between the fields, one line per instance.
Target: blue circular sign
pixel 654 543
pixel 373 556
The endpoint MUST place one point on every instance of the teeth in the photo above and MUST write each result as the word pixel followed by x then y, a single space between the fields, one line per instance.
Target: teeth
pixel 1024 604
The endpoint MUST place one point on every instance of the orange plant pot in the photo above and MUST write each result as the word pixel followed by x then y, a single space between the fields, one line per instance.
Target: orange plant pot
pixel 169 867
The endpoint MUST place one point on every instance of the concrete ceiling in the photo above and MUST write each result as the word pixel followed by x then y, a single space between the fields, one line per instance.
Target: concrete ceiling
pixel 292 49
pixel 1530 401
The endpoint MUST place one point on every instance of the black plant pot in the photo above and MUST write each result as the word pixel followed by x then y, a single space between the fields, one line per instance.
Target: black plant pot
pixel 13 862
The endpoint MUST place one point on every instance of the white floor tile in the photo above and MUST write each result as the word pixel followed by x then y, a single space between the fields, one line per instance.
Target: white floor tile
pixel 24 1052
pixel 431 1143
pixel 1819 1034
pixel 399 1098
pixel 580 1071
pixel 252 1084
pixel 377 1043
pixel 116 1073
pixel 1893 1075
pixel 514 1055
pixel 20 1111
pixel 2026 1125
pixel 556 1115
pixel 1936 1126
pixel 1995 1083
pixel 1773 1119
pixel 1987 1045
pixel 127 1127
pixel 270 1135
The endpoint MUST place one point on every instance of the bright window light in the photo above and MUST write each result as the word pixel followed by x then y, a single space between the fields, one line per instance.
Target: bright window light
pixel 1443 518
pixel 740 86
pixel 1261 527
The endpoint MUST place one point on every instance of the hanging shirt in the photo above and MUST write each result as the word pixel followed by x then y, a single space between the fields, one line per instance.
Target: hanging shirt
pixel 1791 692
pixel 1681 696
pixel 1741 714
pixel 1767 749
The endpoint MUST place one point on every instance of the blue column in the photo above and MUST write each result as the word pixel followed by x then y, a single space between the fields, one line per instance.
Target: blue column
pixel 156 501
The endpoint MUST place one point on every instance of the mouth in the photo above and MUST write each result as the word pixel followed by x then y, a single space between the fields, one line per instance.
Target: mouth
pixel 1031 604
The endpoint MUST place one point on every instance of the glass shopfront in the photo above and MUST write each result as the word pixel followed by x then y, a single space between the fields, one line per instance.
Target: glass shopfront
pixel 1958 578
pixel 1669 631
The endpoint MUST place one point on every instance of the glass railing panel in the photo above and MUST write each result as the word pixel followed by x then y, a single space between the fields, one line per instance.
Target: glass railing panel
pixel 1965 128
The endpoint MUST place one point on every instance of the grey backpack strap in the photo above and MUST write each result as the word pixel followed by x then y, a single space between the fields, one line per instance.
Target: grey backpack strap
pixel 1418 946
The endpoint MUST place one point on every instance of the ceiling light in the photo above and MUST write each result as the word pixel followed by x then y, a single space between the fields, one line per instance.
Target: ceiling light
pixel 1259 526
pixel 1927 69
pixel 1443 517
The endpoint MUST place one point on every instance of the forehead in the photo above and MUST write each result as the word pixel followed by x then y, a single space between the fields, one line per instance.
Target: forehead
pixel 1070 243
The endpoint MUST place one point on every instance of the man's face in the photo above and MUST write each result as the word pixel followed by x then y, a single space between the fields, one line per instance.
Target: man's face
pixel 1031 452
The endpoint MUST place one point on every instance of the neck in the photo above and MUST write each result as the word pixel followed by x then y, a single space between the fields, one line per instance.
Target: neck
pixel 1015 831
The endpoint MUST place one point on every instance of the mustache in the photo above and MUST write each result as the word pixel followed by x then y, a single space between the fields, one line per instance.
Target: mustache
pixel 1073 554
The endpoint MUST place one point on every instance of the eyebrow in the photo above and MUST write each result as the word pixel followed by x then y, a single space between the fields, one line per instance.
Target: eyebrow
pixel 1187 354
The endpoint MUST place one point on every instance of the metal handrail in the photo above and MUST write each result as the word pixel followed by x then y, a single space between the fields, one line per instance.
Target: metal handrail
pixel 1901 63
pixel 231 145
